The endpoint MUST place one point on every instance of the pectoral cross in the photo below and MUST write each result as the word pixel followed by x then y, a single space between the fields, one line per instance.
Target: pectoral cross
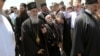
pixel 38 39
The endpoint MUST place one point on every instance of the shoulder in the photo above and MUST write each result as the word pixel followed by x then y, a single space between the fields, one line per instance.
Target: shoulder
pixel 41 21
pixel 39 13
pixel 18 18
pixel 82 18
pixel 26 22
pixel 3 18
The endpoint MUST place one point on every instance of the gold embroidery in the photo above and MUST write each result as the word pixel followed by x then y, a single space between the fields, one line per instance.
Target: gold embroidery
pixel 36 31
pixel 38 39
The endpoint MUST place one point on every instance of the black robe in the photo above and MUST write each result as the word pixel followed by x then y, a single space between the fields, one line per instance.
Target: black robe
pixel 52 37
pixel 86 38
pixel 29 31
pixel 67 42
pixel 42 16
pixel 19 20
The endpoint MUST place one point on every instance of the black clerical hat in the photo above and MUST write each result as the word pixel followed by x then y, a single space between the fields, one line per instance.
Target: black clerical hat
pixel 23 4
pixel 43 4
pixel 31 5
pixel 91 1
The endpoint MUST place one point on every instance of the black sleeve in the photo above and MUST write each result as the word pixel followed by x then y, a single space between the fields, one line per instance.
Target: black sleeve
pixel 18 27
pixel 67 41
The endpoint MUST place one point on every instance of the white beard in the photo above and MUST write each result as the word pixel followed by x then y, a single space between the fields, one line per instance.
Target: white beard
pixel 35 20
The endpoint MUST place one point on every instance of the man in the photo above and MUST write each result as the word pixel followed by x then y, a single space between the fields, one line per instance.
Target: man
pixel 14 15
pixel 62 8
pixel 7 38
pixel 19 20
pixel 32 37
pixel 69 9
pixel 11 9
pixel 52 36
pixel 6 14
pixel 55 8
pixel 98 12
pixel 44 12
pixel 64 29
pixel 86 40
pixel 78 10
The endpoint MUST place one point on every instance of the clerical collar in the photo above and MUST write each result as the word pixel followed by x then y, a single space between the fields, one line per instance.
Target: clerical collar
pixel 88 11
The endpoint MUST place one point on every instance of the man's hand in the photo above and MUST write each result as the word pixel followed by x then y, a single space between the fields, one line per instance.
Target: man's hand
pixel 79 54
pixel 20 38
pixel 60 45
pixel 40 51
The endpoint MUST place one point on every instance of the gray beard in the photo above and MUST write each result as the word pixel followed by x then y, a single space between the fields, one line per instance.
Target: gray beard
pixel 35 20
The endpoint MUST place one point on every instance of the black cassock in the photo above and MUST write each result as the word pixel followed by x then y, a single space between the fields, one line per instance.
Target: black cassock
pixel 29 38
pixel 52 39
pixel 42 16
pixel 86 36
pixel 67 42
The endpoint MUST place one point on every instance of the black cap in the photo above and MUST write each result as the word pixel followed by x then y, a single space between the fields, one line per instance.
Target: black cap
pixel 23 4
pixel 91 1
pixel 31 5
pixel 43 4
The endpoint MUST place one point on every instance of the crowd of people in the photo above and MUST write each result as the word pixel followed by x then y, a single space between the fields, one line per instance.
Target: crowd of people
pixel 62 30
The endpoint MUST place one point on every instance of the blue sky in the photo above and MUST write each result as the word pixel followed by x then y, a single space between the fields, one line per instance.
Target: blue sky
pixel 10 3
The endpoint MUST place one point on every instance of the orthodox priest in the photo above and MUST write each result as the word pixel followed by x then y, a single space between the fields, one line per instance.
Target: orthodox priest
pixel 7 38
pixel 32 37
pixel 87 32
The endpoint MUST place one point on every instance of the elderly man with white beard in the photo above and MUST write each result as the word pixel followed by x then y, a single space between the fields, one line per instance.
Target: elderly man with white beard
pixel 7 38
pixel 32 37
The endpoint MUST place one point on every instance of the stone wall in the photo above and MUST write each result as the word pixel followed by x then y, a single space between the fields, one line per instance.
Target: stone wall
pixel 39 2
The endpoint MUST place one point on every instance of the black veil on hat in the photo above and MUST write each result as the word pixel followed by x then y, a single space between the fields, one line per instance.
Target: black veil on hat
pixel 31 5
pixel 91 1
